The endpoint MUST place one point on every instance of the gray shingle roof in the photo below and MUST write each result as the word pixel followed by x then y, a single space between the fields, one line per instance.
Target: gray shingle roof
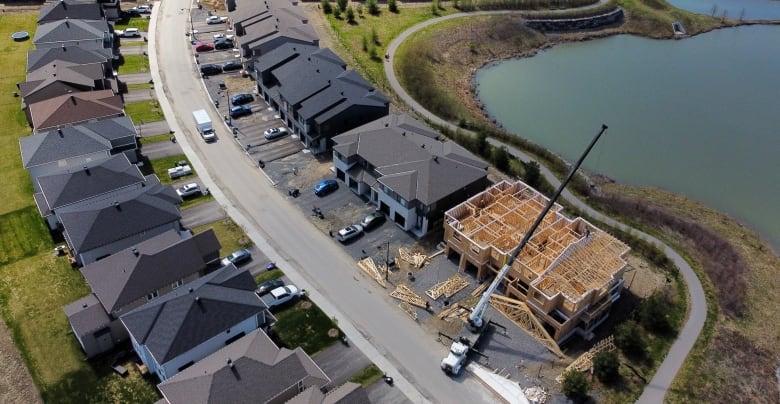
pixel 178 322
pixel 283 54
pixel 347 393
pixel 125 276
pixel 75 108
pixel 260 372
pixel 71 54
pixel 81 184
pixel 62 78
pixel 259 22
pixel 86 315
pixel 61 9
pixel 76 140
pixel 69 30
pixel 410 158
pixel 102 223
pixel 303 77
pixel 347 90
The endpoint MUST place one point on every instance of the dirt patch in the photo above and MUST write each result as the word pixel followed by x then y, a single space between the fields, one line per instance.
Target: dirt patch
pixel 320 24
pixel 16 384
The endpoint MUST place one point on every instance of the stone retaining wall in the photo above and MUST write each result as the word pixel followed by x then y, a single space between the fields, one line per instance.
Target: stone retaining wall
pixel 573 24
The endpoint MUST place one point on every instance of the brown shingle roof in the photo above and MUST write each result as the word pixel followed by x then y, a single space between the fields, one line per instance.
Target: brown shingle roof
pixel 75 108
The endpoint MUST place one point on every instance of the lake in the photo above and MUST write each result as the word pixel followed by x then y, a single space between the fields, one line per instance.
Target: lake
pixel 698 117
pixel 747 9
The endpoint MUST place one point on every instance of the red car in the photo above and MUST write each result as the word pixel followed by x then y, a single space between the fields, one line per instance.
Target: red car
pixel 204 47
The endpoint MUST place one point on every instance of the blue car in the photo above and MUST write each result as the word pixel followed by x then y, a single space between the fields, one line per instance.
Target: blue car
pixel 325 187
pixel 240 110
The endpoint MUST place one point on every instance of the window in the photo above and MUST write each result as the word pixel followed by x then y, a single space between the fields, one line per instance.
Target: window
pixel 152 295
pixel 176 284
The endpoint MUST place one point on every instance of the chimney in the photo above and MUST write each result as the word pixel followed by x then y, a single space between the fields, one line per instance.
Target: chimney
pixel 134 251
pixel 73 99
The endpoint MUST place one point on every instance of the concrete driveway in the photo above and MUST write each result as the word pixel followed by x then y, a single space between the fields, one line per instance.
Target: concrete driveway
pixel 158 150
pixel 153 128
pixel 138 95
pixel 201 214
pixel 135 78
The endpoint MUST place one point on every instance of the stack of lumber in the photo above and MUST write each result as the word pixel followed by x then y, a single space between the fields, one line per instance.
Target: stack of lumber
pixel 376 272
pixel 416 259
pixel 447 288
pixel 404 293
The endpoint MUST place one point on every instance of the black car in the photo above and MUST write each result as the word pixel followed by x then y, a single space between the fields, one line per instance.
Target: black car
pixel 240 110
pixel 372 220
pixel 232 65
pixel 237 257
pixel 240 99
pixel 223 44
pixel 268 286
pixel 208 70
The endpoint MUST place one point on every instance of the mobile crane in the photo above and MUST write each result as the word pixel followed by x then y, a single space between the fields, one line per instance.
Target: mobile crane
pixel 472 332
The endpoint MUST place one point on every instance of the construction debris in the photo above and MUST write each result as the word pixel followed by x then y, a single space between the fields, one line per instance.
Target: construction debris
pixel 481 288
pixel 416 259
pixel 447 288
pixel 585 361
pixel 409 310
pixel 536 395
pixel 377 272
pixel 519 313
pixel 404 293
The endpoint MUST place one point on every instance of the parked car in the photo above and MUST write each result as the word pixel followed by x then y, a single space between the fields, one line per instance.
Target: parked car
pixel 215 19
pixel 179 171
pixel 325 187
pixel 128 33
pixel 240 110
pixel 232 65
pixel 203 47
pixel 237 257
pixel 243 98
pixel 223 44
pixel 131 12
pixel 144 8
pixel 188 190
pixel 349 232
pixel 281 295
pixel 374 219
pixel 268 286
pixel 209 70
pixel 222 35
pixel 275 133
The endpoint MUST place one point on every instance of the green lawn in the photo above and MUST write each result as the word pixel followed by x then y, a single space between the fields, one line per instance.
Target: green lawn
pixel 268 275
pixel 304 325
pixel 161 166
pixel 130 64
pixel 195 201
pixel 144 111
pixel 140 86
pixel 367 376
pixel 154 139
pixel 142 23
pixel 230 235
pixel 22 234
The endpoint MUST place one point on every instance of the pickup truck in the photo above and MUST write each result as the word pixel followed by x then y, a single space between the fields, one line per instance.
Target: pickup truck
pixel 179 171
pixel 281 295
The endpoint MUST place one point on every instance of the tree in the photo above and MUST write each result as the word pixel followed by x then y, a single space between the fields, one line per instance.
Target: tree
pixel 631 339
pixel 342 5
pixel 337 13
pixel 350 15
pixel 359 10
pixel 375 37
pixel 482 145
pixel 435 7
pixel 533 174
pixel 501 159
pixel 365 43
pixel 373 7
pixel 392 6
pixel 654 313
pixel 575 385
pixel 326 7
pixel 605 365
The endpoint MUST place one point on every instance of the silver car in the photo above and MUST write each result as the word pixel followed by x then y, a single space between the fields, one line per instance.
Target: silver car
pixel 349 232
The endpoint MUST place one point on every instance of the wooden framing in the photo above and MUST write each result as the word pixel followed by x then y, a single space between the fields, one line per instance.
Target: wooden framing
pixel 409 310
pixel 585 361
pixel 479 289
pixel 519 313
pixel 406 294
pixel 447 288
pixel 376 272
pixel 416 259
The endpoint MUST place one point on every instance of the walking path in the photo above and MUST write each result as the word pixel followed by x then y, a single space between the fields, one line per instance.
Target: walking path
pixel 661 382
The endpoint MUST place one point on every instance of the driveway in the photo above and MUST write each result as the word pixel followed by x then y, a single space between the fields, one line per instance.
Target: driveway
pixel 201 214
pixel 153 128
pixel 158 150
pixel 138 95
pixel 135 78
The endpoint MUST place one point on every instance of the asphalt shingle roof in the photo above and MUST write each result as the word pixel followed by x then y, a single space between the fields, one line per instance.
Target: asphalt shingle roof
pixel 76 140
pixel 185 318
pixel 86 315
pixel 126 276
pixel 283 54
pixel 61 9
pixel 69 30
pixel 303 77
pixel 70 54
pixel 75 108
pixel 345 91
pixel 260 371
pixel 259 22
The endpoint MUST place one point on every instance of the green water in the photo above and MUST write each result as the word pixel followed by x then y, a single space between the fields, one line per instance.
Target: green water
pixel 698 117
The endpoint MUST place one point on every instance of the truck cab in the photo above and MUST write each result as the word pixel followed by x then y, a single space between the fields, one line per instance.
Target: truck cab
pixel 204 126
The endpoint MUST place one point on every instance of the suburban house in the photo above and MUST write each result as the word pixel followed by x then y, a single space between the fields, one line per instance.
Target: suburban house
pixel 74 108
pixel 176 330
pixel 570 272
pixel 90 183
pixel 409 171
pixel 253 369
pixel 261 26
pixel 316 96
pixel 39 58
pixel 71 10
pixel 87 34
pixel 70 147
pixel 129 278
pixel 98 229
pixel 63 78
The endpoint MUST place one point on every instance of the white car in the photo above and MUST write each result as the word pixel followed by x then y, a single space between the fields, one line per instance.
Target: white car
pixel 129 33
pixel 349 232
pixel 188 190
pixel 215 19
pixel 281 295
pixel 144 9
pixel 221 35
pixel 275 133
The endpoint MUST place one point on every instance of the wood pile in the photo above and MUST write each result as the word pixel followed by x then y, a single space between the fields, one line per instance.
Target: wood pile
pixel 409 310
pixel 404 293
pixel 478 291
pixel 447 288
pixel 453 312
pixel 416 259
pixel 376 272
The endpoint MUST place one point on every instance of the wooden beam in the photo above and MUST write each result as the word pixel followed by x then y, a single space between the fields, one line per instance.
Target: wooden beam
pixel 518 312
pixel 404 293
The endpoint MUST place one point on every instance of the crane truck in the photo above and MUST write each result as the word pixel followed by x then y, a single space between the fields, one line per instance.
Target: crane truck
pixel 472 332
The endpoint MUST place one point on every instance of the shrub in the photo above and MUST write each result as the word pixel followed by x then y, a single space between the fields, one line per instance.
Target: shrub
pixel 575 385
pixel 326 7
pixel 364 42
pixel 350 15
pixel 373 7
pixel 392 6
pixel 342 5
pixel 656 313
pixel 631 339
pixel 375 37
pixel 605 365
pixel 359 10
pixel 337 13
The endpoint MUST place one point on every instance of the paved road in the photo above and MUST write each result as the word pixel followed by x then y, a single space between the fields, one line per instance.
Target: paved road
pixel 363 310
pixel 661 382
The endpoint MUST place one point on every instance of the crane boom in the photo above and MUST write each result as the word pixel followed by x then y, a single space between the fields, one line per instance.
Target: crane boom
pixel 476 317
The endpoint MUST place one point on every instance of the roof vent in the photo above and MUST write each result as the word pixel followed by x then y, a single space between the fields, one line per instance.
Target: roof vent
pixel 230 363
pixel 197 299
pixel 436 158
pixel 116 205
pixel 318 70
pixel 86 170
pixel 59 131
pixel 190 290
pixel 84 306
pixel 342 93
pixel 134 250
pixel 422 145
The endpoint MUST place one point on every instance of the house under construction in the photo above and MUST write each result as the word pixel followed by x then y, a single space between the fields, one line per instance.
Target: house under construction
pixel 569 273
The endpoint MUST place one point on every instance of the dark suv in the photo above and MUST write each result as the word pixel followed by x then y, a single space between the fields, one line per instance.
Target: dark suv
pixel 240 99
pixel 208 70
